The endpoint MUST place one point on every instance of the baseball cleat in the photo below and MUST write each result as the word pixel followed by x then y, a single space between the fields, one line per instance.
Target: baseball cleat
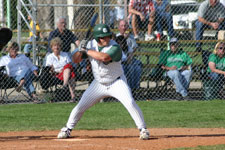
pixel 144 134
pixel 64 133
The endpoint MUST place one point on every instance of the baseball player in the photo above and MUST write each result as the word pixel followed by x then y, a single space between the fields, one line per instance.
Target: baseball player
pixel 104 55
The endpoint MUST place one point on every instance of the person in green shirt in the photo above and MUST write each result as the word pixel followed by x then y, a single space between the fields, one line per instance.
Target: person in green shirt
pixel 216 70
pixel 177 65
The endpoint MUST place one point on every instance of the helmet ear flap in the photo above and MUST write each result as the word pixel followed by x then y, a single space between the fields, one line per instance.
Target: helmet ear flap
pixel 97 39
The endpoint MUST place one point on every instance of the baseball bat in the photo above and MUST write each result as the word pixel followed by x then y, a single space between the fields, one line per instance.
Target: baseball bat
pixel 92 24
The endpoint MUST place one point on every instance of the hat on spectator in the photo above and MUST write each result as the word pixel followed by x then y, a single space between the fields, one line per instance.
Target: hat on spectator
pixel 173 40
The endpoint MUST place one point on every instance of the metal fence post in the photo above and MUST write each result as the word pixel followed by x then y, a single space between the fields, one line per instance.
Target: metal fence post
pixel 19 24
pixel 34 41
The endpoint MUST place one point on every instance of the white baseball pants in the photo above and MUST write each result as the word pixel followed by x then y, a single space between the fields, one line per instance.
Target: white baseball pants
pixel 96 91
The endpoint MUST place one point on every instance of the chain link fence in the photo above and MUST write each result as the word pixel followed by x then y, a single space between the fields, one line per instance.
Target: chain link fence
pixel 146 78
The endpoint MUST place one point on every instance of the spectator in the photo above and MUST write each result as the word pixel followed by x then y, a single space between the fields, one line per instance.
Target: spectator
pixel 61 66
pixel 67 37
pixel 28 47
pixel 177 63
pixel 21 69
pixel 142 13
pixel 216 72
pixel 117 14
pixel 210 15
pixel 163 15
pixel 120 10
pixel 132 67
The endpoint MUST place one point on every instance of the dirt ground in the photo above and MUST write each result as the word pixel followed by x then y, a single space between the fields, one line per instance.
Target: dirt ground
pixel 120 139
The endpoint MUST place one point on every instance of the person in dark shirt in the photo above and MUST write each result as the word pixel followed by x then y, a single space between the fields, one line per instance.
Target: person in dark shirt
pixel 211 15
pixel 64 34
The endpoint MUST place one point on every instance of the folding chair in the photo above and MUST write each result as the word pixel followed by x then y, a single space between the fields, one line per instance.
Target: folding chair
pixel 8 86
pixel 47 80
pixel 51 84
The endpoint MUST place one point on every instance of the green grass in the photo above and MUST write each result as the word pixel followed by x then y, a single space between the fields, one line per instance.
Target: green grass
pixel 112 115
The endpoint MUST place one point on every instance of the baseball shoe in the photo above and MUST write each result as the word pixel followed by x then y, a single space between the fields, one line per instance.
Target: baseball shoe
pixel 64 133
pixel 136 37
pixel 149 37
pixel 144 134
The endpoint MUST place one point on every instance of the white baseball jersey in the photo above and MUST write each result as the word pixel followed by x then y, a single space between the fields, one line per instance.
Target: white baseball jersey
pixel 104 73
pixel 109 81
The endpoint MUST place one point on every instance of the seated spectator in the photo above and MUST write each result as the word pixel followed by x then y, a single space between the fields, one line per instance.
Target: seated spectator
pixel 132 67
pixel 210 16
pixel 61 66
pixel 142 13
pixel 213 86
pixel 163 15
pixel 21 69
pixel 28 47
pixel 67 37
pixel 177 65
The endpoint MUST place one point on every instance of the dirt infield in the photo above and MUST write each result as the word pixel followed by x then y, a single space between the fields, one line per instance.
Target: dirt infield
pixel 120 139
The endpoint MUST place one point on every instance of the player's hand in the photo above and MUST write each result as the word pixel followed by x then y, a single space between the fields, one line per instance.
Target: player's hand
pixel 83 45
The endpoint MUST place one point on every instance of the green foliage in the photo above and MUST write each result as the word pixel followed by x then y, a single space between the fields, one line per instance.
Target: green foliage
pixel 14 11
pixel 112 115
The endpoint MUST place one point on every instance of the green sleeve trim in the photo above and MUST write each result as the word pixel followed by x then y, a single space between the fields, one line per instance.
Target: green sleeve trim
pixel 188 59
pixel 163 57
pixel 115 53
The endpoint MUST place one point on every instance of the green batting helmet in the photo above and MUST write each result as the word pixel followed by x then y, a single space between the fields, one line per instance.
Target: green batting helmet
pixel 101 30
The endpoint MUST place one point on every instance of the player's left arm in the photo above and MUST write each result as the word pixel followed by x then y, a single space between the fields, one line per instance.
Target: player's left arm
pixel 113 54
pixel 77 57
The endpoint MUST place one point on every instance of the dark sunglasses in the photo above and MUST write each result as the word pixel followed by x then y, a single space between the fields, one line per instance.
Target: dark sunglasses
pixel 221 48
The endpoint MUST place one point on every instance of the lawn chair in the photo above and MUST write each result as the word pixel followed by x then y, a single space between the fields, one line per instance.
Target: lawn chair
pixel 8 86
pixel 51 84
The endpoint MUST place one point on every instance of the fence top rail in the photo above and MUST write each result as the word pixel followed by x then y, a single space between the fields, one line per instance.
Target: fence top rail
pixel 158 53
pixel 157 42
pixel 114 30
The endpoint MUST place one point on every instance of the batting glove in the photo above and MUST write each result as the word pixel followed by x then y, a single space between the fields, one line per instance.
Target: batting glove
pixel 83 45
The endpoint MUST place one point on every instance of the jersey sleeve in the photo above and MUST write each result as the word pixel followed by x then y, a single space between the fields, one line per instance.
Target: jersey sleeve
pixel 201 10
pixel 163 58
pixel 212 58
pixel 115 53
pixel 188 59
